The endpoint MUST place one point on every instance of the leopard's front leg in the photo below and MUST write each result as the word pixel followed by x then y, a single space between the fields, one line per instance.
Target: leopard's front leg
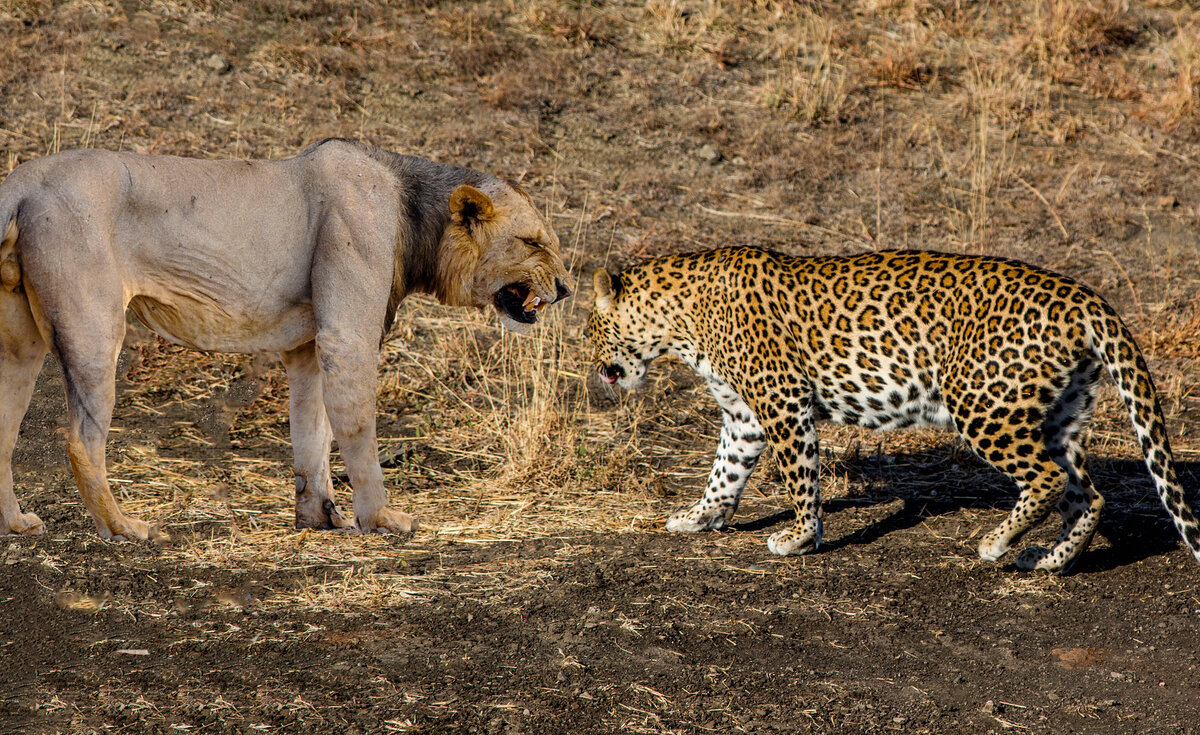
pixel 742 443
pixel 793 432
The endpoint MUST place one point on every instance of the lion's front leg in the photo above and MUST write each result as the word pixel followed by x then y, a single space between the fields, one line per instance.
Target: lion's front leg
pixel 348 385
pixel 311 438
pixel 352 282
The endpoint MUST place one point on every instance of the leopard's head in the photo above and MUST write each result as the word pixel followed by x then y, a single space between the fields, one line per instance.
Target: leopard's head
pixel 625 334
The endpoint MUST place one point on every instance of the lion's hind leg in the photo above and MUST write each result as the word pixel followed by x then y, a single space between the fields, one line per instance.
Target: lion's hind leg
pixel 22 351
pixel 85 328
pixel 90 378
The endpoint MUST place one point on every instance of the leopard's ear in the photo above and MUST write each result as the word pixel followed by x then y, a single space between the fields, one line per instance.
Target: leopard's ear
pixel 603 283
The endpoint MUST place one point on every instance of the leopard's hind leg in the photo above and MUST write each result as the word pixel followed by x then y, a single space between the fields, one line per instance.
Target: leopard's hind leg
pixel 1010 438
pixel 1081 504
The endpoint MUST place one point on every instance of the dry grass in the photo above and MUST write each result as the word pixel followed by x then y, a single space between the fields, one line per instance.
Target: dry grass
pixel 1044 129
pixel 810 84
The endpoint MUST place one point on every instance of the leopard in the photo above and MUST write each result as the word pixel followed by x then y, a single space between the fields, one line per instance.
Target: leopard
pixel 1007 354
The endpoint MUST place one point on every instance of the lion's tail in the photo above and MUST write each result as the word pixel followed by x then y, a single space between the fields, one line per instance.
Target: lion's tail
pixel 10 267
pixel 10 264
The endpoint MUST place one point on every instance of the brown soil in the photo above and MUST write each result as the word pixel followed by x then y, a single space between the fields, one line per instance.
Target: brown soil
pixel 543 595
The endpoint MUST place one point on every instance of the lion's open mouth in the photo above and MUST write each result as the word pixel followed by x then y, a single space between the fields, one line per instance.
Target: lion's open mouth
pixel 518 301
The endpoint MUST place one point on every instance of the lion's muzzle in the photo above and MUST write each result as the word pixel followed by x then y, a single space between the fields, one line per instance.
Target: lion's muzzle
pixel 519 302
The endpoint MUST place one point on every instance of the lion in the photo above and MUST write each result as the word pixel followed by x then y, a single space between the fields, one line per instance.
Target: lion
pixel 307 256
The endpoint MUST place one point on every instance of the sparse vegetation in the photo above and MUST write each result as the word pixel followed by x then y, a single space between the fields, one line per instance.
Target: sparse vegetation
pixel 541 589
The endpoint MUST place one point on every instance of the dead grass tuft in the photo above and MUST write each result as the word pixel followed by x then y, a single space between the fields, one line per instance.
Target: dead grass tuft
pixel 909 62
pixel 1062 33
pixel 1172 336
pixel 1179 100
pixel 810 84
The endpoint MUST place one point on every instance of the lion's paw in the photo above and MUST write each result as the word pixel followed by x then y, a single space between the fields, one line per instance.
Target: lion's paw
pixel 129 529
pixel 696 518
pixel 390 520
pixel 25 524
pixel 327 516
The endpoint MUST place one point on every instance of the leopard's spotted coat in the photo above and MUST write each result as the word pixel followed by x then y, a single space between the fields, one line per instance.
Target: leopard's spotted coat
pixel 1006 353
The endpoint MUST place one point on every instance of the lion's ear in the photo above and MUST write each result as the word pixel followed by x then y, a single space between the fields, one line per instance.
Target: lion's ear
pixel 470 206
pixel 603 284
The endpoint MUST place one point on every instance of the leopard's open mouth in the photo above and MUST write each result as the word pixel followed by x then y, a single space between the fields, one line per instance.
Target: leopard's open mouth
pixel 518 301
pixel 611 373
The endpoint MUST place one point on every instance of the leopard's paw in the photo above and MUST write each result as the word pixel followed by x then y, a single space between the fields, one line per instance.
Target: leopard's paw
pixel 696 518
pixel 796 541
pixel 992 547
pixel 1044 560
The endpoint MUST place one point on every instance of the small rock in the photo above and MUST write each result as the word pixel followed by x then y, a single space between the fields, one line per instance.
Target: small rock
pixel 709 154
pixel 218 63
pixel 1167 202
pixel 900 720
pixel 988 707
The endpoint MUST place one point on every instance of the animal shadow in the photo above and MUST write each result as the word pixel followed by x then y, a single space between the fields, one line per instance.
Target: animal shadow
pixel 935 482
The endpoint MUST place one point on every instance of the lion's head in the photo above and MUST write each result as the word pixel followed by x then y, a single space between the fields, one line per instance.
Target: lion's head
pixel 499 252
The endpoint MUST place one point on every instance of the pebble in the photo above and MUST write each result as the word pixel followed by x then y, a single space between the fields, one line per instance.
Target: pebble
pixel 218 63
pixel 709 154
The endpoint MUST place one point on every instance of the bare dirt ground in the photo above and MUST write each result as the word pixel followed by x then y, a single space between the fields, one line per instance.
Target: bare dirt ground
pixel 542 595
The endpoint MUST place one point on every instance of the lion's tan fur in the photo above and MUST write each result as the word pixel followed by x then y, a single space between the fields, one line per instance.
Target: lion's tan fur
pixel 308 256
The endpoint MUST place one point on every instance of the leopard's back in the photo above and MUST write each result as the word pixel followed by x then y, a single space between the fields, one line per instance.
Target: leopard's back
pixel 889 339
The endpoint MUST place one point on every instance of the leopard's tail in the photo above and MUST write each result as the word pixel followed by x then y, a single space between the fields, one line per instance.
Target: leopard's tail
pixel 1114 345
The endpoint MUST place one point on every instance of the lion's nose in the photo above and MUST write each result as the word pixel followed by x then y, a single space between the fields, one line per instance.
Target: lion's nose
pixel 563 291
